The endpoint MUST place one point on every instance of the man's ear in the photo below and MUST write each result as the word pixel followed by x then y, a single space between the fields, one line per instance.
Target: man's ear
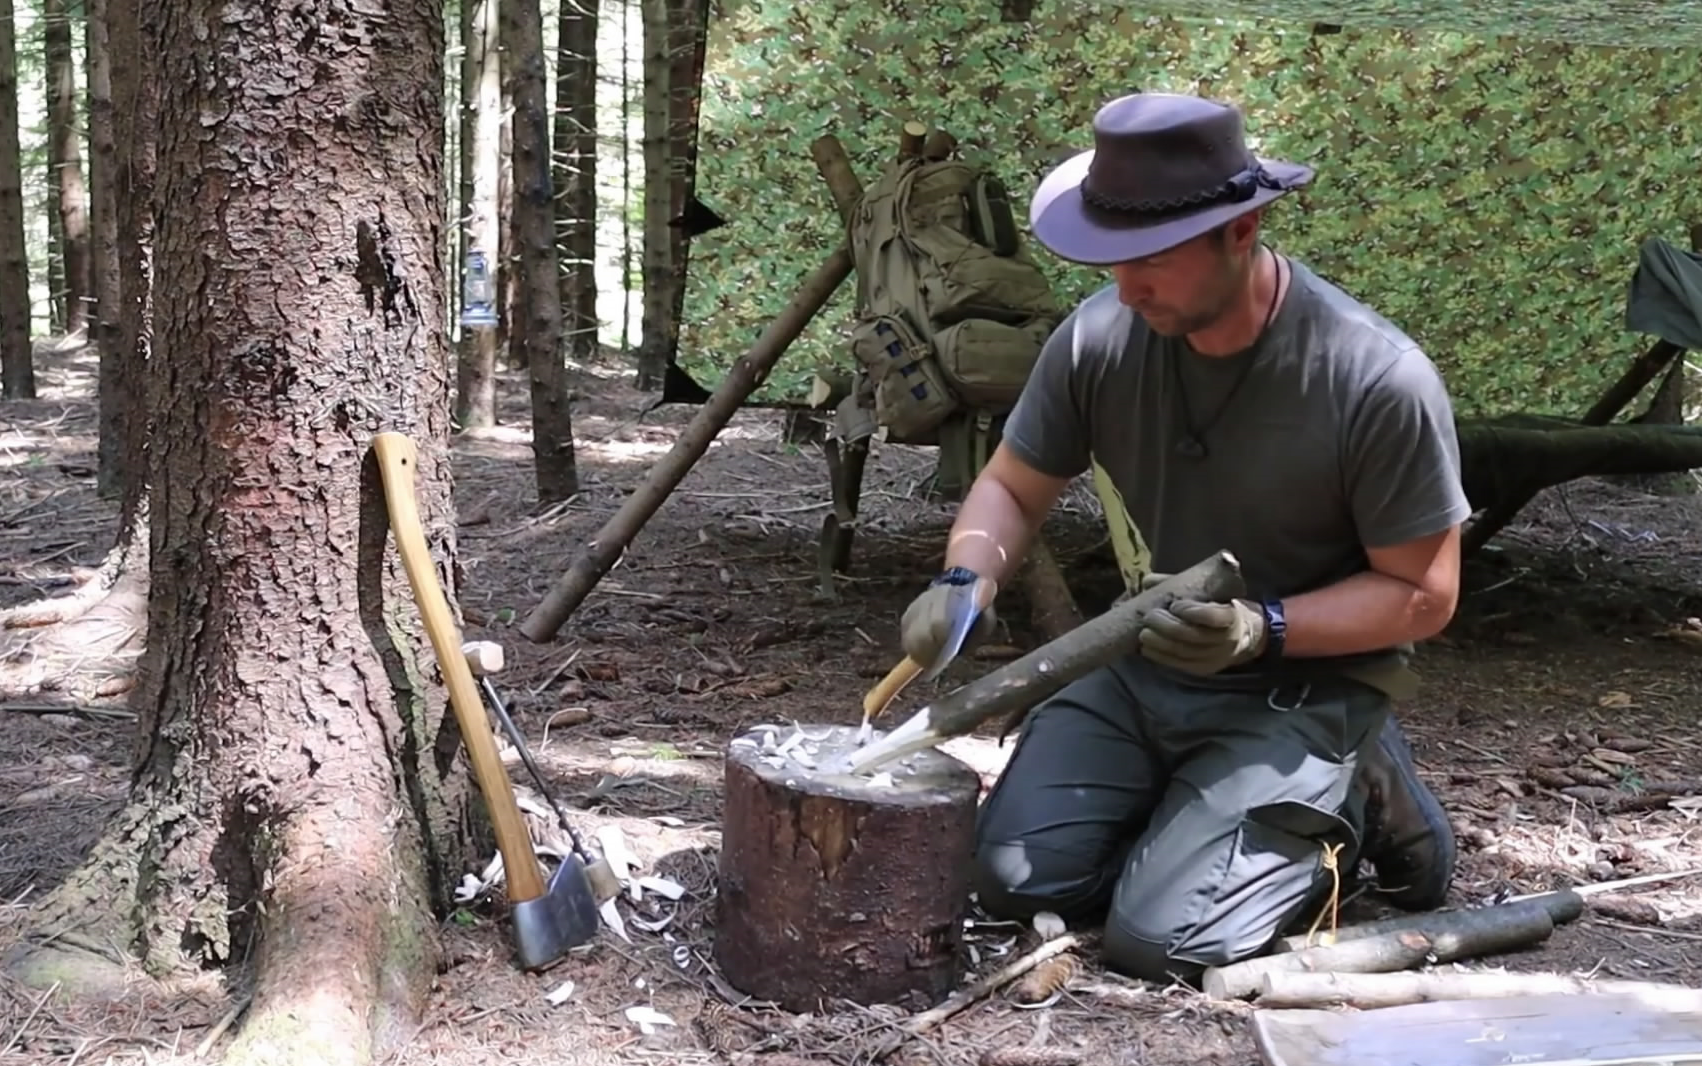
pixel 1241 231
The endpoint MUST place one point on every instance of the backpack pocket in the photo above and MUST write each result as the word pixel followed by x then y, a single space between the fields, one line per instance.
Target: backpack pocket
pixel 911 395
pixel 988 362
pixel 962 279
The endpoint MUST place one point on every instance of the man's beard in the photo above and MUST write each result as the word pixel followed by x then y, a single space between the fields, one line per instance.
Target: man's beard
pixel 1171 323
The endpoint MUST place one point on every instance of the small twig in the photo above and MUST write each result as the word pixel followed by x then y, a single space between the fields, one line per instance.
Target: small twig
pixel 41 1001
pixel 965 998
pixel 69 708
pixel 556 673
pixel 1650 930
pixel 1598 887
pixel 221 1025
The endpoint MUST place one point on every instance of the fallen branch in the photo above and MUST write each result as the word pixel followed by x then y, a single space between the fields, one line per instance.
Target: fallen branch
pixel 1372 991
pixel 967 997
pixel 1598 888
pixel 745 377
pixel 1462 934
pixel 1562 907
pixel 1049 667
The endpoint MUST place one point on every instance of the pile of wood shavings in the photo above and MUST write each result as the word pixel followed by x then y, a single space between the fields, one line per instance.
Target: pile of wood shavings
pixel 800 749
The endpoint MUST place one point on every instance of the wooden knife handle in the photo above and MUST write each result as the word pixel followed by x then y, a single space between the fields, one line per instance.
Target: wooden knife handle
pixel 397 459
pixel 889 686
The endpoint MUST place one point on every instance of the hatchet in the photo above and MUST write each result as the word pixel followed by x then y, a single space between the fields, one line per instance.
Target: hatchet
pixel 964 604
pixel 548 920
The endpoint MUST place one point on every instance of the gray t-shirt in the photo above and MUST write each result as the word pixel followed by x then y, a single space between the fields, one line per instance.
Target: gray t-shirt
pixel 1339 437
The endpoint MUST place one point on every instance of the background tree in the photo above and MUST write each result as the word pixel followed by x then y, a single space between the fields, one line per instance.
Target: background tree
pixel 17 371
pixel 286 793
pixel 482 96
pixel 67 191
pixel 537 321
pixel 575 157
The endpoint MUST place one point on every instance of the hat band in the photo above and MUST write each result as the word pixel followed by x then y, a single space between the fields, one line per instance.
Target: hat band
pixel 1237 189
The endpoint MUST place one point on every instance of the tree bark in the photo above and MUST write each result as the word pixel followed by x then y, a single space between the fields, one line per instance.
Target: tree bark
pixel 576 180
pixel 839 888
pixel 475 394
pixel 17 367
pixel 114 459
pixel 65 165
pixel 553 463
pixel 296 806
pixel 658 300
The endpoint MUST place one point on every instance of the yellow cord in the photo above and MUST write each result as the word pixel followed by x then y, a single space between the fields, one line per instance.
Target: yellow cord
pixel 1332 864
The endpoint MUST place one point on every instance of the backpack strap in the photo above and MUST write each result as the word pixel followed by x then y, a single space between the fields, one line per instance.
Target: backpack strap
pixel 1134 558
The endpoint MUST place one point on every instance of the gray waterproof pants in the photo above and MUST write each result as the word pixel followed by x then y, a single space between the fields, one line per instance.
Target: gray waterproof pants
pixel 1195 822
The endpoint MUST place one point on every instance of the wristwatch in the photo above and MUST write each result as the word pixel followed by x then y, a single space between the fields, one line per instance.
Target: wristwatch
pixel 1276 629
pixel 956 575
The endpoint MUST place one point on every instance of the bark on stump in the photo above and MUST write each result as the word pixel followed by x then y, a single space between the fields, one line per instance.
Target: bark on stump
pixel 840 887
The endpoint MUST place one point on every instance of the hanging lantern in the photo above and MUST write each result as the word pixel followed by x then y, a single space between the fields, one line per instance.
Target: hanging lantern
pixel 478 293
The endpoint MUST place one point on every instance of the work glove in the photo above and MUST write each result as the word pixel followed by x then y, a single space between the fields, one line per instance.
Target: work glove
pixel 1203 638
pixel 925 625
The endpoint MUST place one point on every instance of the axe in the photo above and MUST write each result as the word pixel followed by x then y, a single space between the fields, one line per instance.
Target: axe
pixel 548 920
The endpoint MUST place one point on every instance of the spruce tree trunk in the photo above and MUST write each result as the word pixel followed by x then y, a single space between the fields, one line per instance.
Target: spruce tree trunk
pixel 65 166
pixel 658 301
pixel 17 368
pixel 576 180
pixel 297 806
pixel 685 82
pixel 107 312
pixel 539 295
pixel 475 402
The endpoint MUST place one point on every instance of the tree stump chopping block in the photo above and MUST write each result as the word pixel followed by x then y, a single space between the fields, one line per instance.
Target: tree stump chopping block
pixel 834 886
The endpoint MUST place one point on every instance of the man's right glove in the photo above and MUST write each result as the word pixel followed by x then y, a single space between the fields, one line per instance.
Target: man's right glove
pixel 926 624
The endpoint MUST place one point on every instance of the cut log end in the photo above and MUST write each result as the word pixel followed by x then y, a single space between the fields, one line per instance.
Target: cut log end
pixel 835 886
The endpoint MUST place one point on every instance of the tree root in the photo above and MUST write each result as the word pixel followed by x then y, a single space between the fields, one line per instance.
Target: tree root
pixel 340 972
pixel 87 656
pixel 83 645
pixel 333 972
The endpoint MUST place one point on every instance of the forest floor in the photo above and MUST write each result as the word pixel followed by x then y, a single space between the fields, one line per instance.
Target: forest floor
pixel 1569 664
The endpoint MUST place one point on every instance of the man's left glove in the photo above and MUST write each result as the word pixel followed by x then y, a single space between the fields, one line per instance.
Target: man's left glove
pixel 1204 638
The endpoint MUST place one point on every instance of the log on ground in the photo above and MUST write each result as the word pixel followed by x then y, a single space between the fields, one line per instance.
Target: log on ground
pixel 839 887
pixel 1403 949
pixel 1562 906
pixel 1374 991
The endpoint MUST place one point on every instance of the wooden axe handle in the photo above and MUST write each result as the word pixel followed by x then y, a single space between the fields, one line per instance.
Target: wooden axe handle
pixel 889 686
pixel 397 457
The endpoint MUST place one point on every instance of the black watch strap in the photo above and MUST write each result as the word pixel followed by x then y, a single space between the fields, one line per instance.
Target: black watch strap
pixel 1276 629
pixel 956 575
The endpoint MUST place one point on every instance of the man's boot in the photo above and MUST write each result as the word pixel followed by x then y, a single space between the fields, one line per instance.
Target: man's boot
pixel 1408 837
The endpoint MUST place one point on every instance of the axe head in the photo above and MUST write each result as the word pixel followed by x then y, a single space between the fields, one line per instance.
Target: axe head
pixel 563 918
pixel 964 604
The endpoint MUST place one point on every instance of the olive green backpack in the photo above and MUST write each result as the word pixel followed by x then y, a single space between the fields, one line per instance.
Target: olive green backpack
pixel 951 310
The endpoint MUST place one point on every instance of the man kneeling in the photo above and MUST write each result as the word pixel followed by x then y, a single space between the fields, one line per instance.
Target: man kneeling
pixel 1198 796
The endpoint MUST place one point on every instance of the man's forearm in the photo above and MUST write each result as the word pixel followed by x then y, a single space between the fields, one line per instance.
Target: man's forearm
pixel 1366 612
pixel 992 533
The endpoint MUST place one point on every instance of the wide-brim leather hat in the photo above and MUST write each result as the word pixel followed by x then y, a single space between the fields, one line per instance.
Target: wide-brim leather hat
pixel 1164 169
